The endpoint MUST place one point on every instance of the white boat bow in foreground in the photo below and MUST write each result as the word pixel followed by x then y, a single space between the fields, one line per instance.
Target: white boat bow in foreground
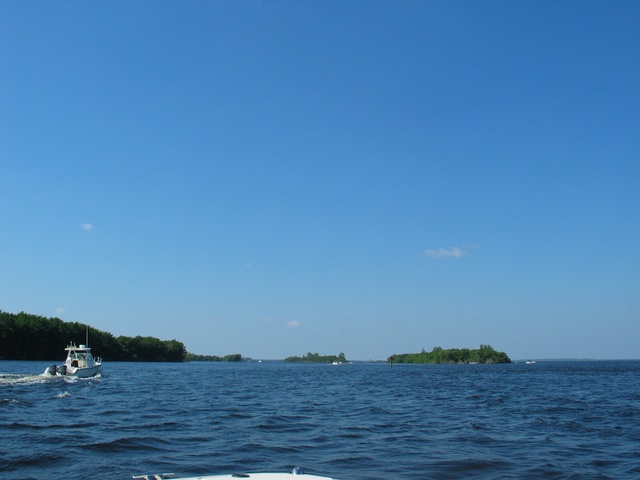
pixel 297 472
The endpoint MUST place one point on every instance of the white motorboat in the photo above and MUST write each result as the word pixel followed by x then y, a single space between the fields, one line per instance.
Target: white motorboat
pixel 79 363
pixel 297 472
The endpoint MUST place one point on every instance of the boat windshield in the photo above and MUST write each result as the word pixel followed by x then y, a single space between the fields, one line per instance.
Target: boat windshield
pixel 80 358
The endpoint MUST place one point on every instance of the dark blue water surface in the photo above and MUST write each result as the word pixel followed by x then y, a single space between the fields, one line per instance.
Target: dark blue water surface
pixel 568 420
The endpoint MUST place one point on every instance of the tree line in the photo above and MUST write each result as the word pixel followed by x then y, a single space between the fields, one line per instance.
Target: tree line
pixel 484 354
pixel 25 336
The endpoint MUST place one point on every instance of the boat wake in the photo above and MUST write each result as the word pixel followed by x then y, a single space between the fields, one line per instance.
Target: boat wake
pixel 17 378
pixel 26 378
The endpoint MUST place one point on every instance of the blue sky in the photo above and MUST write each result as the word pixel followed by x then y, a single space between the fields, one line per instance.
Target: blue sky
pixel 274 178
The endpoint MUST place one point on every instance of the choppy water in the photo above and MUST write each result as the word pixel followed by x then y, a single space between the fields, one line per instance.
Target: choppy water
pixel 568 420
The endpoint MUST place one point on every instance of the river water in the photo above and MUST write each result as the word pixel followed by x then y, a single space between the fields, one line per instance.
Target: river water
pixel 564 420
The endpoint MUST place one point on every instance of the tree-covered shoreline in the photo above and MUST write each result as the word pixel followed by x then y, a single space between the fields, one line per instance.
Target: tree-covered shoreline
pixel 25 336
pixel 484 354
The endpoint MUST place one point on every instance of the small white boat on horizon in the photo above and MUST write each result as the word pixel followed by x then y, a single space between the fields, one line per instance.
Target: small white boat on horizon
pixel 80 363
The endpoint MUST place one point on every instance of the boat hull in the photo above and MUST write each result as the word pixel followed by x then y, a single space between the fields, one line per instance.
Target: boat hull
pixel 64 371
pixel 259 476
pixel 85 372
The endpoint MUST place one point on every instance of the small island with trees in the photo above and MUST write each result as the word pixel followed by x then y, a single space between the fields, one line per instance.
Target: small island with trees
pixel 484 354
pixel 317 358
pixel 234 357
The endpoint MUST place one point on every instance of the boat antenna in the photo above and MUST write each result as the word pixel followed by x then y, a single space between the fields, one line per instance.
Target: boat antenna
pixel 87 335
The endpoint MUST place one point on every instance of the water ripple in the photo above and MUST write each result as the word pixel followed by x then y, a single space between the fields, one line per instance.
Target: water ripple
pixel 357 422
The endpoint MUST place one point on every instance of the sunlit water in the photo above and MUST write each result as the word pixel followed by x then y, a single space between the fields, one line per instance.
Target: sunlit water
pixel 569 420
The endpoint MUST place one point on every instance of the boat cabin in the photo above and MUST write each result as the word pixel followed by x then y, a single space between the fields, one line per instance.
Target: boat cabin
pixel 79 356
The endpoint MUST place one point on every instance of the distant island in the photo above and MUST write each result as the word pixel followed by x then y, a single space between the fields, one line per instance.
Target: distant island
pixel 234 357
pixel 484 354
pixel 317 358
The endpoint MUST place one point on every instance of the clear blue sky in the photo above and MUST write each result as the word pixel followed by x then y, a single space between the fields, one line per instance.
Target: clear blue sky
pixel 370 177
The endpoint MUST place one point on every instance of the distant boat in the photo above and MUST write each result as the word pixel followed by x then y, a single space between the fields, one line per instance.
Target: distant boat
pixel 297 472
pixel 530 362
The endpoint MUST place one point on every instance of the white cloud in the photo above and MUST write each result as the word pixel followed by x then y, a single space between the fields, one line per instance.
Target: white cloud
pixel 86 226
pixel 59 310
pixel 453 252
pixel 293 324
